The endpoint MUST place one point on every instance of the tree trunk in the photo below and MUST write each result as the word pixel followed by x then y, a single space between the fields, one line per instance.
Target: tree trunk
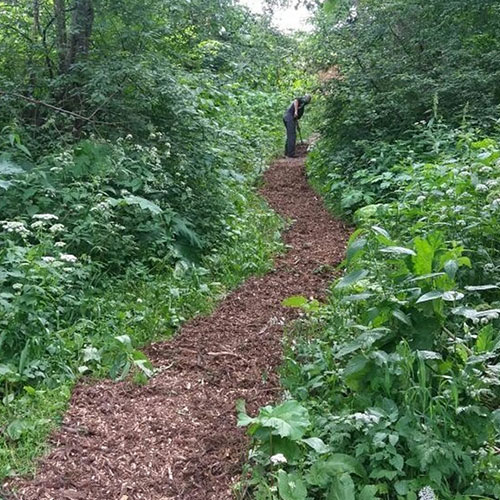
pixel 81 30
pixel 61 35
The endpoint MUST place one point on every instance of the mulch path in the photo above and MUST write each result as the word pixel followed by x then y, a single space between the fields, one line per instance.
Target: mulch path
pixel 176 437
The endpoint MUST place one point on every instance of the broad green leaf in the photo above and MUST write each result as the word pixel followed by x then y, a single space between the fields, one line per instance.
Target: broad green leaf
pixel 243 418
pixel 422 262
pixel 424 355
pixel 143 203
pixel 363 341
pixel 23 357
pixel 17 428
pixel 479 288
pixel 291 486
pixel 9 168
pixel 6 370
pixel 356 297
pixel 125 340
pixel 342 488
pixel 340 463
pixel 289 419
pixel 355 249
pixel 430 296
pixel 368 493
pixel 382 235
pixel 452 296
pixel 352 278
pixel 485 339
pixel 316 444
pixel 398 314
pixel 295 301
pixel 398 250
pixel 451 268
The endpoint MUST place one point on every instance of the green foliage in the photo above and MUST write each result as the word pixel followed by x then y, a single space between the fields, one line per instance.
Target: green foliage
pixel 399 369
pixel 127 173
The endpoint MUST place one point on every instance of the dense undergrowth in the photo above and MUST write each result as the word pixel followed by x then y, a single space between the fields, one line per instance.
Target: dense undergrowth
pixel 126 187
pixel 393 384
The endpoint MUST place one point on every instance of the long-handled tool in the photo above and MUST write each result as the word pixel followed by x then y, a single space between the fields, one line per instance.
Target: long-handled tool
pixel 300 133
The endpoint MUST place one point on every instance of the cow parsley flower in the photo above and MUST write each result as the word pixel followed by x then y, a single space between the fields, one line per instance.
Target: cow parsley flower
pixel 56 228
pixel 15 227
pixel 426 493
pixel 45 217
pixel 17 286
pixel 67 257
pixel 60 244
pixel 48 259
pixel 279 458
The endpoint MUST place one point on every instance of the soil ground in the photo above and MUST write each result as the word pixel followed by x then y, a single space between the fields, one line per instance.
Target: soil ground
pixel 176 437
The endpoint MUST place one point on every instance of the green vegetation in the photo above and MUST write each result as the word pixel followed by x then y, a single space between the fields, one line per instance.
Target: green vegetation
pixel 131 137
pixel 394 382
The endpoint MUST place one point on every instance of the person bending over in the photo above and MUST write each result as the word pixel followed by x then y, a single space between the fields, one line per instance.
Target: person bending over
pixel 290 119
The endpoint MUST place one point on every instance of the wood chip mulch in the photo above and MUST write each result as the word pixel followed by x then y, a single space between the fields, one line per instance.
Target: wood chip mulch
pixel 176 437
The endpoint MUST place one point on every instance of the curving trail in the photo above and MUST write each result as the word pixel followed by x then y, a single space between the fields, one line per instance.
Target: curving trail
pixel 176 437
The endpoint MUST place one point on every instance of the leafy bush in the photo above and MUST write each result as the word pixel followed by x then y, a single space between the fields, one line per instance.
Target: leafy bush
pixel 399 370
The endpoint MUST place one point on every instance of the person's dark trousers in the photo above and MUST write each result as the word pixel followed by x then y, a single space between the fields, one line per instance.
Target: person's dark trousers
pixel 291 134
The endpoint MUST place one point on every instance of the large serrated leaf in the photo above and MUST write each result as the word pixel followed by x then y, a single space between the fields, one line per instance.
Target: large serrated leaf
pixel 291 486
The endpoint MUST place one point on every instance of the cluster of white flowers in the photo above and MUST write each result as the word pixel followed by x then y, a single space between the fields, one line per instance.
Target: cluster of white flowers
pixel 17 286
pixel 129 137
pixel 48 259
pixel 45 217
pixel 279 458
pixel 420 199
pixel 67 257
pixel 495 204
pixel 481 188
pixel 56 228
pixel 365 418
pixel 15 227
pixel 60 244
pixel 102 206
pixel 485 170
pixel 426 493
